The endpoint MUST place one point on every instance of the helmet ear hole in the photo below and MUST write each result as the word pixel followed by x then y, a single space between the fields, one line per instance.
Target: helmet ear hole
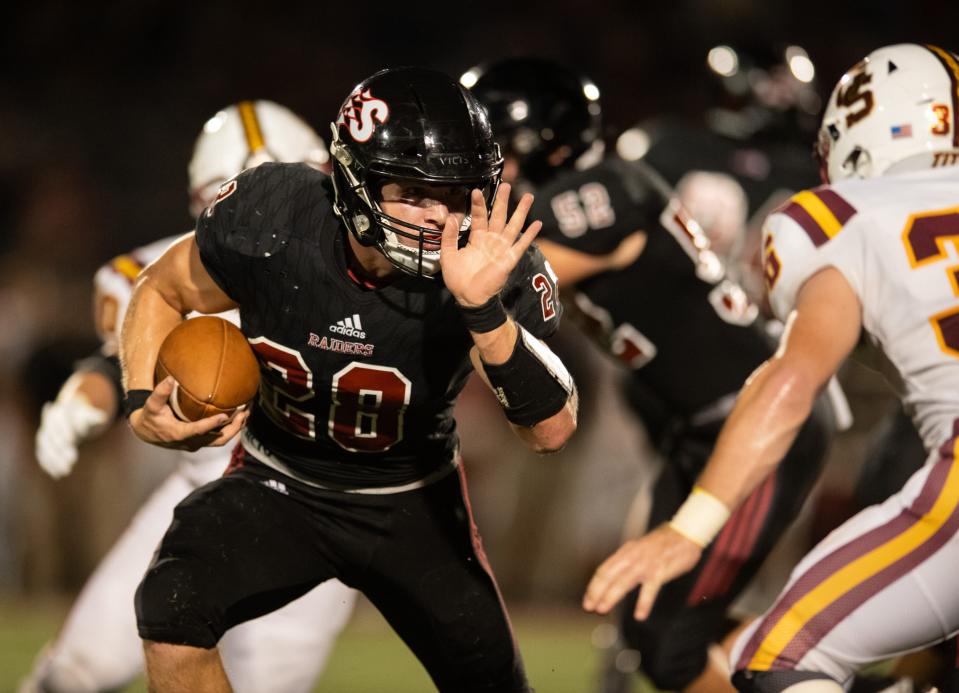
pixel 365 233
pixel 858 163
pixel 341 153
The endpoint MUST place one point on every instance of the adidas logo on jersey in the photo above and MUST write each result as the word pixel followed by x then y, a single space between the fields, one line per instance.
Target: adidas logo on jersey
pixel 349 327
pixel 276 486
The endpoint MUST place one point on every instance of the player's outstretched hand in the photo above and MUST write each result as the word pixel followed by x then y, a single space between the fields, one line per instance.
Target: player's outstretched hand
pixel 155 423
pixel 651 561
pixel 477 271
pixel 64 424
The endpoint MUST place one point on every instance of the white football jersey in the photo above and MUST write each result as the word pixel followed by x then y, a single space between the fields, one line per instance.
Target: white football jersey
pixel 895 238
pixel 115 279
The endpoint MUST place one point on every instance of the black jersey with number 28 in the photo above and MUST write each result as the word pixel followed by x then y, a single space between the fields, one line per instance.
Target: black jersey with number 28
pixel 357 384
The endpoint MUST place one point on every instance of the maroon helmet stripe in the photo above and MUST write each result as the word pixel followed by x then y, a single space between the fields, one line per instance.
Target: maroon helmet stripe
pixel 842 210
pixel 797 213
pixel 827 566
pixel 951 65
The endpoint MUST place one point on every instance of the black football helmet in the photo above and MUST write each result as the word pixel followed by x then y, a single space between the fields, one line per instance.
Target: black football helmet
pixel 543 113
pixel 410 123
pixel 762 91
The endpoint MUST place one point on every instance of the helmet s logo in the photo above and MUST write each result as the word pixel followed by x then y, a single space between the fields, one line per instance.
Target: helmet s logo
pixel 225 191
pixel 854 92
pixel 361 113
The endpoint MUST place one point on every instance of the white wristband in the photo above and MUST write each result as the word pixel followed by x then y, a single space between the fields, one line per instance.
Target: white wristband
pixel 701 517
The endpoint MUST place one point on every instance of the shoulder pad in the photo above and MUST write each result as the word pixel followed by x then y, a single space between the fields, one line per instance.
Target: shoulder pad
pixel 820 212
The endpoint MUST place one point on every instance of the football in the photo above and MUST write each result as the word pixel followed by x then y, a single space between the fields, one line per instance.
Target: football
pixel 214 366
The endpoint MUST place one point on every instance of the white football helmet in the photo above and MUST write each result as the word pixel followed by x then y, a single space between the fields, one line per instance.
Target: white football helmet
pixel 247 134
pixel 894 111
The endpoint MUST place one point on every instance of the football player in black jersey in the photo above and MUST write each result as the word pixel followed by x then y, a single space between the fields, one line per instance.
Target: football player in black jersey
pixel 746 154
pixel 97 648
pixel 686 331
pixel 368 299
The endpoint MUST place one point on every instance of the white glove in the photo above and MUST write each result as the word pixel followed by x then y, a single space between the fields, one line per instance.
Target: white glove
pixel 64 424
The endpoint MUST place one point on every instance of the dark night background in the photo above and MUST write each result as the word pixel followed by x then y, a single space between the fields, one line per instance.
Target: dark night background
pixel 100 103
pixel 105 99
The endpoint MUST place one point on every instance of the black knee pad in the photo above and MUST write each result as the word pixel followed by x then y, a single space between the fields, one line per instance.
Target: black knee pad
pixel 232 553
pixel 748 681
pixel 172 606
pixel 177 600
pixel 670 656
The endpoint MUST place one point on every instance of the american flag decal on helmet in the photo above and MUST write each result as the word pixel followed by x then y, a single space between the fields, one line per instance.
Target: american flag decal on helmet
pixel 900 131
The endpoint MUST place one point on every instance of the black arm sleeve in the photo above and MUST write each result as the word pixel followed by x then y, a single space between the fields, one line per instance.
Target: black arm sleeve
pixel 107 366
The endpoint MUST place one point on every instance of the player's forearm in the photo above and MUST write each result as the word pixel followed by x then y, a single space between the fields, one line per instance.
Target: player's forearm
pixel 149 319
pixel 496 346
pixel 758 433
pixel 572 266
pixel 94 388
pixel 551 434
pixel 768 414
pixel 531 384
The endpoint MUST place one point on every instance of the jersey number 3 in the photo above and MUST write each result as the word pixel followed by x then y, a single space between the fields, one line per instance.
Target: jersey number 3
pixel 925 236
pixel 368 402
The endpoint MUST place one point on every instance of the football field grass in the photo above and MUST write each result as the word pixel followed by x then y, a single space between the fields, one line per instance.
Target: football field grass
pixel 368 658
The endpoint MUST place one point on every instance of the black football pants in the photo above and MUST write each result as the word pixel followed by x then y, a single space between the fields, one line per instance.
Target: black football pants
pixel 690 612
pixel 254 540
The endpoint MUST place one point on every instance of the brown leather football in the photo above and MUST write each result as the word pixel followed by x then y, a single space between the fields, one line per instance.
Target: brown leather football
pixel 214 367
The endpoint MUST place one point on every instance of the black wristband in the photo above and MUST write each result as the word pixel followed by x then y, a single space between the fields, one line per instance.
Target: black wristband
pixel 532 385
pixel 135 399
pixel 484 318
